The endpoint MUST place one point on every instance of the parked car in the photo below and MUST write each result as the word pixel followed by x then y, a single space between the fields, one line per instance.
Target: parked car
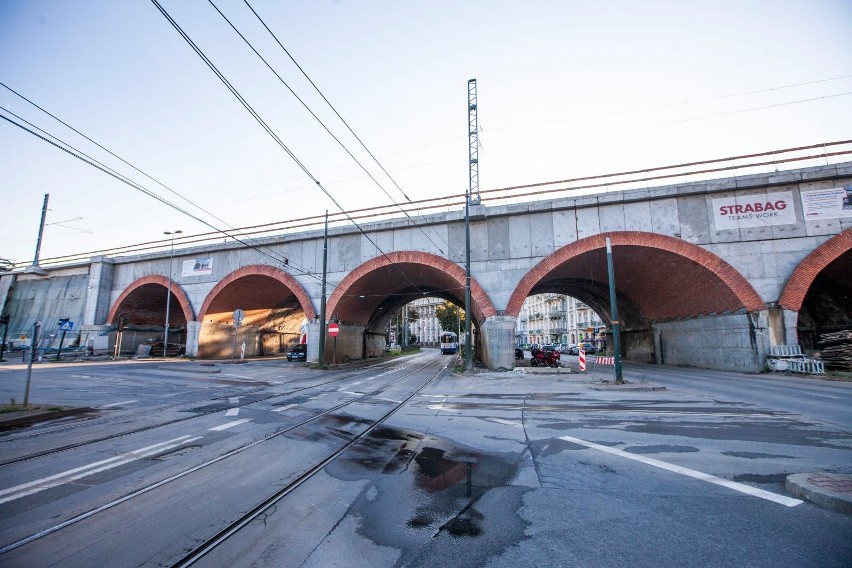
pixel 298 353
pixel 585 346
pixel 519 353
pixel 564 347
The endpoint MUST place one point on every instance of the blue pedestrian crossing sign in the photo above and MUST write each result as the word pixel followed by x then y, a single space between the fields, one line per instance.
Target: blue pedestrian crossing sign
pixel 66 325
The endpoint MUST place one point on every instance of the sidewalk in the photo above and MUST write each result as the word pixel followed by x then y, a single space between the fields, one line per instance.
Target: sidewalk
pixel 830 490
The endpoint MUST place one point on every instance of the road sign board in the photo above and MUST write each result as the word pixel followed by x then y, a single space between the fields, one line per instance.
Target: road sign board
pixel 238 317
pixel 67 326
pixel 333 329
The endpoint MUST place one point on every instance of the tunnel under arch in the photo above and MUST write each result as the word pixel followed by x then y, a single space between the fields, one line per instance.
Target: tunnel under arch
pixel 367 297
pixel 659 280
pixel 276 310
pixel 143 302
pixel 142 305
pixel 820 292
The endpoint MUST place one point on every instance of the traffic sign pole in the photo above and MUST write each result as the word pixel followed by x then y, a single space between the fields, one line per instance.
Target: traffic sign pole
pixel 333 330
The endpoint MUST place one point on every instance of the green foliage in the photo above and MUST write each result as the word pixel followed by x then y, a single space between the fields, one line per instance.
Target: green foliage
pixel 448 315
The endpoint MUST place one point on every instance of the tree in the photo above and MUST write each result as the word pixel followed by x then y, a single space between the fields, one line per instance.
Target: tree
pixel 449 315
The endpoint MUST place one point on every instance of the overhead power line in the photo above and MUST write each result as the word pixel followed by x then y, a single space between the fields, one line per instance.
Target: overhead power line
pixel 280 259
pixel 318 119
pixel 271 132
pixel 65 147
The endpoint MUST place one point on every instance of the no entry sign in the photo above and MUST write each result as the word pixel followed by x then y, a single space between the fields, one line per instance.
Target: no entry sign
pixel 333 329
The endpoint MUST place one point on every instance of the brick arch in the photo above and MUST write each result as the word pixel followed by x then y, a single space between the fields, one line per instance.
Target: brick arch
pixel 261 270
pixel 478 297
pixel 803 276
pixel 176 289
pixel 738 285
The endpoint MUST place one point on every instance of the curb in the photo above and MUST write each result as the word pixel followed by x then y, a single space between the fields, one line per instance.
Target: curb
pixel 829 490
pixel 28 420
pixel 625 387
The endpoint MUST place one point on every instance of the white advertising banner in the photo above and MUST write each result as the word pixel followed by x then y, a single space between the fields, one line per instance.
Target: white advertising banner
pixel 754 211
pixel 197 267
pixel 834 203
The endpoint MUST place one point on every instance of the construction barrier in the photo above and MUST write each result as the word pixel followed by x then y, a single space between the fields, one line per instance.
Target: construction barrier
pixel 606 360
pixel 582 360
pixel 809 366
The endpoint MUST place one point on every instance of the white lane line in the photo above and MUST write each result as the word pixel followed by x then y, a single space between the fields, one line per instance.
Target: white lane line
pixel 232 412
pixel 283 408
pixel 31 487
pixel 506 422
pixel 741 487
pixel 822 395
pixel 234 400
pixel 230 424
pixel 117 404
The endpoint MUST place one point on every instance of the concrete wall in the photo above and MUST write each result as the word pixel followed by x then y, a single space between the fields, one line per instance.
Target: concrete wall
pixel 217 341
pixel 733 342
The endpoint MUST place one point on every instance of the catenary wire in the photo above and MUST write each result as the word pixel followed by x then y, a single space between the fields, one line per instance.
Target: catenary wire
pixel 321 123
pixel 105 169
pixel 280 259
pixel 271 132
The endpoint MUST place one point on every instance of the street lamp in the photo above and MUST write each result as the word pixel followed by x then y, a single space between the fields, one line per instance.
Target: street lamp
pixel 169 289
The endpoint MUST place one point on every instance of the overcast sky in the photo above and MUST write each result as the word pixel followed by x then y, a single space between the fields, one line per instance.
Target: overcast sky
pixel 565 89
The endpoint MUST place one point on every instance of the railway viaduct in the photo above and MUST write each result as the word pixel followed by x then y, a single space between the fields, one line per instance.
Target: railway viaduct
pixel 708 274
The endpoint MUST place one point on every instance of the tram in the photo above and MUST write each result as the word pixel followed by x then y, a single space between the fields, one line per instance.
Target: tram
pixel 449 342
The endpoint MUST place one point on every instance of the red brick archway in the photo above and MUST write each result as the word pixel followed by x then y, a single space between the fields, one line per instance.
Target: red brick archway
pixel 803 276
pixel 740 291
pixel 177 291
pixel 261 270
pixel 481 304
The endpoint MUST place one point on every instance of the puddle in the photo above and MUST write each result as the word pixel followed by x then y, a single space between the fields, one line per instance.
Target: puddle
pixel 422 486
pixel 762 478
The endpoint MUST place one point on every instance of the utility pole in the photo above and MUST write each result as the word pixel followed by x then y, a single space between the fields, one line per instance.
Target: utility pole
pixel 321 359
pixel 471 198
pixel 169 292
pixel 35 268
pixel 613 310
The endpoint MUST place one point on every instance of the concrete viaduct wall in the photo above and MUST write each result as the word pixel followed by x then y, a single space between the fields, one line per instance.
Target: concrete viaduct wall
pixel 693 288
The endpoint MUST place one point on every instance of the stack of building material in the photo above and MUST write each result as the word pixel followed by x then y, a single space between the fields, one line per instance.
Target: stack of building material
pixel 836 349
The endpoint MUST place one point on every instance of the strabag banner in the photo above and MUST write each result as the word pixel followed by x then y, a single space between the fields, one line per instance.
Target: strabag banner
pixel 197 267
pixel 754 211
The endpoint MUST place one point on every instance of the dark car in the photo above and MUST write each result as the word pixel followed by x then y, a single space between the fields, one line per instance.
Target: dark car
pixel 589 347
pixel 298 353
pixel 519 353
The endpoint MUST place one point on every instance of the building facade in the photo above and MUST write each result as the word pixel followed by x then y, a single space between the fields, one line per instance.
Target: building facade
pixel 556 318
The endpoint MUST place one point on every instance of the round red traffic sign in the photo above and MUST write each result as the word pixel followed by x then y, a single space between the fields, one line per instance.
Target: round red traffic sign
pixel 333 329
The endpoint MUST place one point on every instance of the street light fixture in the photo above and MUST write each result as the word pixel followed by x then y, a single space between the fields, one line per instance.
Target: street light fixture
pixel 169 290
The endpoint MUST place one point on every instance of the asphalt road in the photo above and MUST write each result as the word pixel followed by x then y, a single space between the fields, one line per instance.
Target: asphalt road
pixel 490 469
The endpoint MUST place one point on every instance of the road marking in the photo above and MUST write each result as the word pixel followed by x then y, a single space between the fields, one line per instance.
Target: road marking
pixel 234 400
pixel 31 487
pixel 230 424
pixel 283 408
pixel 506 422
pixel 116 404
pixel 741 487
pixel 232 412
pixel 822 395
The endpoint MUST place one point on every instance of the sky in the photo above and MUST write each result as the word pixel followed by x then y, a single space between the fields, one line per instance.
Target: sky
pixel 564 89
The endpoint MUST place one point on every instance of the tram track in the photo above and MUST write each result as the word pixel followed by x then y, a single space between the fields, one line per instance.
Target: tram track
pixel 211 543
pixel 207 546
pixel 197 414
